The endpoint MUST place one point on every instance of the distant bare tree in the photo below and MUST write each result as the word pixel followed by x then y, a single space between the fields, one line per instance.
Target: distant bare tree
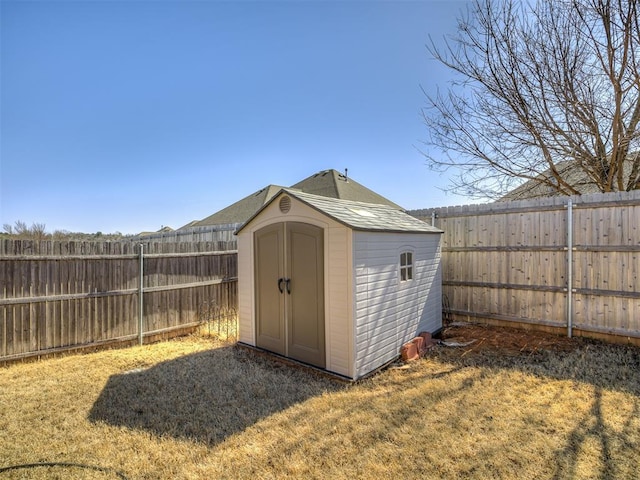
pixel 20 228
pixel 539 83
pixel 38 231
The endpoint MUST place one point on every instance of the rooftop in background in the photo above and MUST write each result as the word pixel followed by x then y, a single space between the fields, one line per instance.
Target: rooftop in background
pixel 326 183
pixel 240 211
pixel 162 230
pixel 571 173
pixel 333 184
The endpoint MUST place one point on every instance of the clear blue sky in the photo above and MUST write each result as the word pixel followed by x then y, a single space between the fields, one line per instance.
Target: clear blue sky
pixel 126 116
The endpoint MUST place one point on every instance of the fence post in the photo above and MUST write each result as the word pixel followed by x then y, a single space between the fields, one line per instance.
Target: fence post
pixel 569 268
pixel 141 297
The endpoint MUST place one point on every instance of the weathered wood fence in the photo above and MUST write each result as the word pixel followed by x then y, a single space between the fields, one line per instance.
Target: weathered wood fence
pixel 207 233
pixel 61 295
pixel 569 263
pixel 566 262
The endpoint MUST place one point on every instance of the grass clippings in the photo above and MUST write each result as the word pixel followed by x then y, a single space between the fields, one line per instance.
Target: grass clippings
pixel 506 406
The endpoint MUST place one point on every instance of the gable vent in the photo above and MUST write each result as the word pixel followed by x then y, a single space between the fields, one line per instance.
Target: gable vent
pixel 285 204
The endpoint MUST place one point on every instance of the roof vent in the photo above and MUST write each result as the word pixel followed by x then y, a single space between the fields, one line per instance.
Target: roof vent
pixel 285 204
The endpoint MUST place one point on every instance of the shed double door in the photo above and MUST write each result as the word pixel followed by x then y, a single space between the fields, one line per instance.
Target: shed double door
pixel 289 291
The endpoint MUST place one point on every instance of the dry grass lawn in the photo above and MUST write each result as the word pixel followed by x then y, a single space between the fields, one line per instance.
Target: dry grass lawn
pixel 510 405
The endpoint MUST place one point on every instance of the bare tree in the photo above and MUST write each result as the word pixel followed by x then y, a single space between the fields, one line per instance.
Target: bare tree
pixel 538 85
pixel 38 231
pixel 20 228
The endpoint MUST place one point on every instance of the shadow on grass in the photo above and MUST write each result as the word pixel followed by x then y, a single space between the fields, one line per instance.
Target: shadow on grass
pixel 612 367
pixel 205 397
pixel 604 368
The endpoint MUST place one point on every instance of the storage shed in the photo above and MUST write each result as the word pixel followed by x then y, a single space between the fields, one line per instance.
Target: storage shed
pixel 337 284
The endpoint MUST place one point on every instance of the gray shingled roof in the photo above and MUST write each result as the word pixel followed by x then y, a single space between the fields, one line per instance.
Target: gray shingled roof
pixel 327 183
pixel 571 173
pixel 331 183
pixel 241 210
pixel 358 215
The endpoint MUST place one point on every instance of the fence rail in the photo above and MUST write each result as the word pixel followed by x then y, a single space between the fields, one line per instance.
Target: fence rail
pixel 64 295
pixel 564 262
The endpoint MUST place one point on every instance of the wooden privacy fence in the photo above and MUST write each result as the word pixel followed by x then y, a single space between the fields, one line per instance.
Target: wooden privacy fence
pixel 207 233
pixel 61 295
pixel 565 262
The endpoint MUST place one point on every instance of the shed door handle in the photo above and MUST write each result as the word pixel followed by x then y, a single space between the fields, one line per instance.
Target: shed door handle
pixel 280 280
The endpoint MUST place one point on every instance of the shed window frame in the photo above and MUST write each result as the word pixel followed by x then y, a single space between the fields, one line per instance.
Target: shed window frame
pixel 406 266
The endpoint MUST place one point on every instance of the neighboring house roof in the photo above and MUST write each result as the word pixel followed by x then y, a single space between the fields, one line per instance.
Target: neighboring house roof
pixel 162 230
pixel 357 215
pixel 333 184
pixel 570 172
pixel 242 210
pixel 327 183
pixel 192 223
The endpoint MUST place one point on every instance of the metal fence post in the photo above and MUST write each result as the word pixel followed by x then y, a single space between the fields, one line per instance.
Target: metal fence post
pixel 141 297
pixel 569 268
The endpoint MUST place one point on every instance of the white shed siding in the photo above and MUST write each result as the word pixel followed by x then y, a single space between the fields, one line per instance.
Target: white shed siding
pixel 421 299
pixel 245 290
pixel 387 312
pixel 338 293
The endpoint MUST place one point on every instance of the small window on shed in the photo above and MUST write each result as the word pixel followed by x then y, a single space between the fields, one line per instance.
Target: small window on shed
pixel 406 266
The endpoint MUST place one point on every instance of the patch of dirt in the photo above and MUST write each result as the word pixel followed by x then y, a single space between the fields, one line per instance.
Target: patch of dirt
pixel 488 339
